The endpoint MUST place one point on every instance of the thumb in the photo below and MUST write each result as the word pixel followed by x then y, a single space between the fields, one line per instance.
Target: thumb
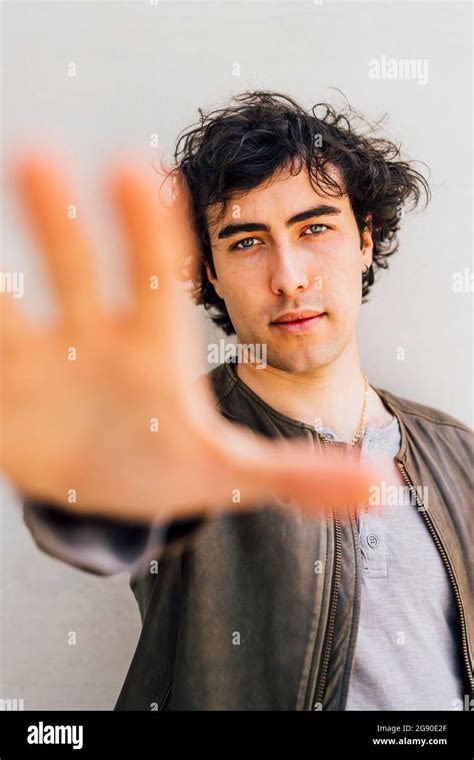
pixel 293 472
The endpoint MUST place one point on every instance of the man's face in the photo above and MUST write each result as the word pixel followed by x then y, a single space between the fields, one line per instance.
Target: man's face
pixel 269 260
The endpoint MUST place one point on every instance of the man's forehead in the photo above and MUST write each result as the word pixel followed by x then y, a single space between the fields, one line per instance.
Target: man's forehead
pixel 245 201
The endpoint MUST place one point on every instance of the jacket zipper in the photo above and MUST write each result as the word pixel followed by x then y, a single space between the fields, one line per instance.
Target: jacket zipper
pixel 165 705
pixel 449 569
pixel 318 697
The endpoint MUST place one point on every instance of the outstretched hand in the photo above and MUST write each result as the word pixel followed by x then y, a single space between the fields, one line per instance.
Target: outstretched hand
pixel 105 404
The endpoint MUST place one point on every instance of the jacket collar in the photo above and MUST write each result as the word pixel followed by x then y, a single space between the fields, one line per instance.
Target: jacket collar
pixel 388 399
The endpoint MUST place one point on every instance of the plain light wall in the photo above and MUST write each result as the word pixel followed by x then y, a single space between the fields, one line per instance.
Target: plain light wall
pixel 145 68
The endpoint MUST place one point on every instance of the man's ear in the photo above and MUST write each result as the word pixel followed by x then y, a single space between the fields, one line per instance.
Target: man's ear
pixel 367 243
pixel 213 280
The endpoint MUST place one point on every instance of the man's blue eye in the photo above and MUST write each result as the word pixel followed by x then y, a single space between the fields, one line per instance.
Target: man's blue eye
pixel 240 245
pixel 316 225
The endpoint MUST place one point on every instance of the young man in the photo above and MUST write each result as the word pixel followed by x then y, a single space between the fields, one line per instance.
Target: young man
pixel 252 608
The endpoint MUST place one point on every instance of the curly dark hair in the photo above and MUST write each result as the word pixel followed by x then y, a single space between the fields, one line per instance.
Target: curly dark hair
pixel 236 148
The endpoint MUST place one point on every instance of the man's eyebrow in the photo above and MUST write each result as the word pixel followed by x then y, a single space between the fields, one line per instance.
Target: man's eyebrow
pixel 321 210
pixel 234 229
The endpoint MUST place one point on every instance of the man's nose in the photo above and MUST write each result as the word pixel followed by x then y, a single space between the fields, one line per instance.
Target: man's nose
pixel 288 273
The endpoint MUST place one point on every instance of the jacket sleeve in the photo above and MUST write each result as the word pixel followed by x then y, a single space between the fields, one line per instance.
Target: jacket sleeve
pixel 98 545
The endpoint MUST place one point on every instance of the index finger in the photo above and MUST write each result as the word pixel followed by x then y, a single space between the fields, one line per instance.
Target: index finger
pixel 156 221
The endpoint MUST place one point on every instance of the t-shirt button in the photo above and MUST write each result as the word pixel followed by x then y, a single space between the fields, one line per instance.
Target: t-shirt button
pixel 372 540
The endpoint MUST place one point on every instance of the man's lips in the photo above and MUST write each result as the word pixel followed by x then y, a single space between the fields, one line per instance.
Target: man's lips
pixel 296 316
pixel 298 322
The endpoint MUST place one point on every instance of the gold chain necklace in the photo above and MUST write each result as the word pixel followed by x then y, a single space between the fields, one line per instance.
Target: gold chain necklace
pixel 360 426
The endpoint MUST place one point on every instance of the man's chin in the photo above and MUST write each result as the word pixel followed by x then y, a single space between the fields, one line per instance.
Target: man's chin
pixel 301 360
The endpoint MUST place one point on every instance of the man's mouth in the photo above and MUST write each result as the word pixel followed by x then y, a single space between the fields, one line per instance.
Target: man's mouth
pixel 298 322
